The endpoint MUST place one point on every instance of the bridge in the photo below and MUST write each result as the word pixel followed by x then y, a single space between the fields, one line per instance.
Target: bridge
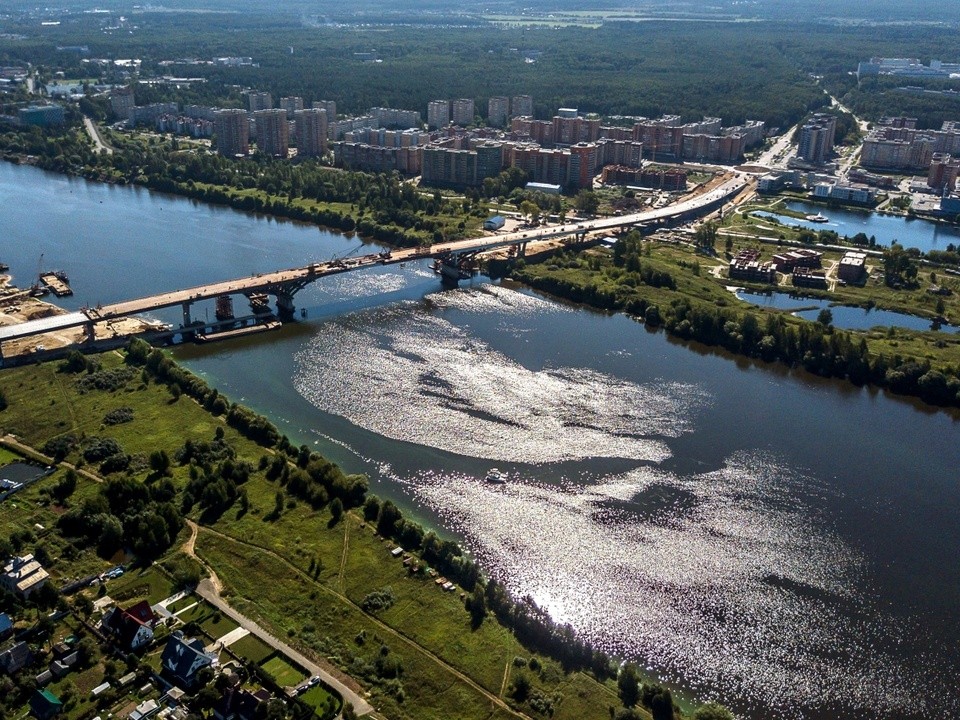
pixel 452 261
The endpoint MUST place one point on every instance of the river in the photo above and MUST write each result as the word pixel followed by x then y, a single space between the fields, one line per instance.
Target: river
pixel 887 229
pixel 784 542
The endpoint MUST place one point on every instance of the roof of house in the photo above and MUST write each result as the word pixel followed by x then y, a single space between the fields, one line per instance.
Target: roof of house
pixel 183 655
pixel 242 703
pixel 126 623
pixel 15 657
pixel 5 622
pixel 44 703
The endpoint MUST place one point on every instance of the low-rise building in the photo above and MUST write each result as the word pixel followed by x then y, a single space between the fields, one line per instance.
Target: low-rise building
pixel 45 705
pixel 41 115
pixel 802 257
pixel 15 658
pixel 23 576
pixel 852 267
pixel 809 278
pixel 855 194
pixel 748 267
pixel 131 628
pixel 494 223
pixel 183 658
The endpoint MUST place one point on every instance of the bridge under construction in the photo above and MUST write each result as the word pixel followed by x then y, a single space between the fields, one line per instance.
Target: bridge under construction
pixel 453 262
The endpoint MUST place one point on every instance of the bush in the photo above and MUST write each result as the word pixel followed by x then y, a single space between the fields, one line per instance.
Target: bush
pixel 97 449
pixel 378 600
pixel 118 416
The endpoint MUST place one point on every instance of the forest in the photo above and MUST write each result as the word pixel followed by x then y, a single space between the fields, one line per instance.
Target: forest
pixel 772 71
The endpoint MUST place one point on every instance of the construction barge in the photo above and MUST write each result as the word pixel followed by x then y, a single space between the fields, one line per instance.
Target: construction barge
pixel 57 282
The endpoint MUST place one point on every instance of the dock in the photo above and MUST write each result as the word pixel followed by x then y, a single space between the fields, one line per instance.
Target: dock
pixel 57 283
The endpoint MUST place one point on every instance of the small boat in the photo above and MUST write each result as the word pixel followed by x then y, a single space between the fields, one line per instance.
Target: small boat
pixel 496 477
pixel 818 218
pixel 4 267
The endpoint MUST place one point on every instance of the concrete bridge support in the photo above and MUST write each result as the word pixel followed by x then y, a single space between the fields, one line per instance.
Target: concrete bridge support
pixel 187 320
pixel 285 306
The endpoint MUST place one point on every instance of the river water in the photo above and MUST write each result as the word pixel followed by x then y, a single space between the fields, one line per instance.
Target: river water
pixel 786 543
pixel 887 229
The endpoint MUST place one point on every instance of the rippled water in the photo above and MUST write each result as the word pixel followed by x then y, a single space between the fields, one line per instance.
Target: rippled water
pixel 422 379
pixel 736 580
pixel 787 543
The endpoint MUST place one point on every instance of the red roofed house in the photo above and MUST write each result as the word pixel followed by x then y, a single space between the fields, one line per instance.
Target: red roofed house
pixel 133 627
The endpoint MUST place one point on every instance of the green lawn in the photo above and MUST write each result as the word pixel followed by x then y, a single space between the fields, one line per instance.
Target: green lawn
pixel 252 648
pixel 323 702
pixel 138 584
pixel 7 457
pixel 285 674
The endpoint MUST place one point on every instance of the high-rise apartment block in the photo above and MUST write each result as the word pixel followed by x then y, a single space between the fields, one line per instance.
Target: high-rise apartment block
pixel 498 111
pixel 259 101
pixel 438 114
pixel 521 106
pixel 463 112
pixel 292 105
pixel 817 137
pixel 122 102
pixel 232 129
pixel 330 106
pixel 273 134
pixel 311 131
pixel 393 118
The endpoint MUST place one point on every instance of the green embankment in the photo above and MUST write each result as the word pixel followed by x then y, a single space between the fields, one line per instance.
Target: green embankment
pixel 684 291
pixel 299 574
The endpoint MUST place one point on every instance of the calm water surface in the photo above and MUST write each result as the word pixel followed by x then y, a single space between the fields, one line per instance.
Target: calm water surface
pixel 844 316
pixel 887 229
pixel 787 543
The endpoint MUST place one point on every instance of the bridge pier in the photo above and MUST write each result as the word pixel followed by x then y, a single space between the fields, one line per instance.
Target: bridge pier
pixel 450 272
pixel 90 334
pixel 187 320
pixel 285 306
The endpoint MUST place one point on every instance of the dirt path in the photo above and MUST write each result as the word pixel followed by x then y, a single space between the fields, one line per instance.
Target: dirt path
pixel 211 587
pixel 343 557
pixel 23 449
pixel 411 643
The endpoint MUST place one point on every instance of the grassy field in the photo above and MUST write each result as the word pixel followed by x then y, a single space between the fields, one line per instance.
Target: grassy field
pixel 7 457
pixel 436 666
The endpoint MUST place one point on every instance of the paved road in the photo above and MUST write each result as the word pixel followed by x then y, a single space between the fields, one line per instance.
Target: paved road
pixel 94 134
pixel 209 590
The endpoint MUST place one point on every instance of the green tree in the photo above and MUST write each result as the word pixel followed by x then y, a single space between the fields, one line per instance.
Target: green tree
pixel 706 235
pixel 587 202
pixel 825 318
pixel 712 711
pixel 336 510
pixel 521 687
pixel 628 685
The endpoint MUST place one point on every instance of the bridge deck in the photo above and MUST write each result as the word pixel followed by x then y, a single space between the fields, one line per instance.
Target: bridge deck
pixel 271 282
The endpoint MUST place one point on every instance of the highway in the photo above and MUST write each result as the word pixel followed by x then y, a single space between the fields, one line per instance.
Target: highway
pixel 274 282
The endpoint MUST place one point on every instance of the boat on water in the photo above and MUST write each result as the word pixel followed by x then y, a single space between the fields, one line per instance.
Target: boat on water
pixel 4 267
pixel 496 477
pixel 818 218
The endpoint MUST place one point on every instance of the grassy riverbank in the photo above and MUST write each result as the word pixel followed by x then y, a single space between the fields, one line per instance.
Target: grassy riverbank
pixel 674 287
pixel 304 569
